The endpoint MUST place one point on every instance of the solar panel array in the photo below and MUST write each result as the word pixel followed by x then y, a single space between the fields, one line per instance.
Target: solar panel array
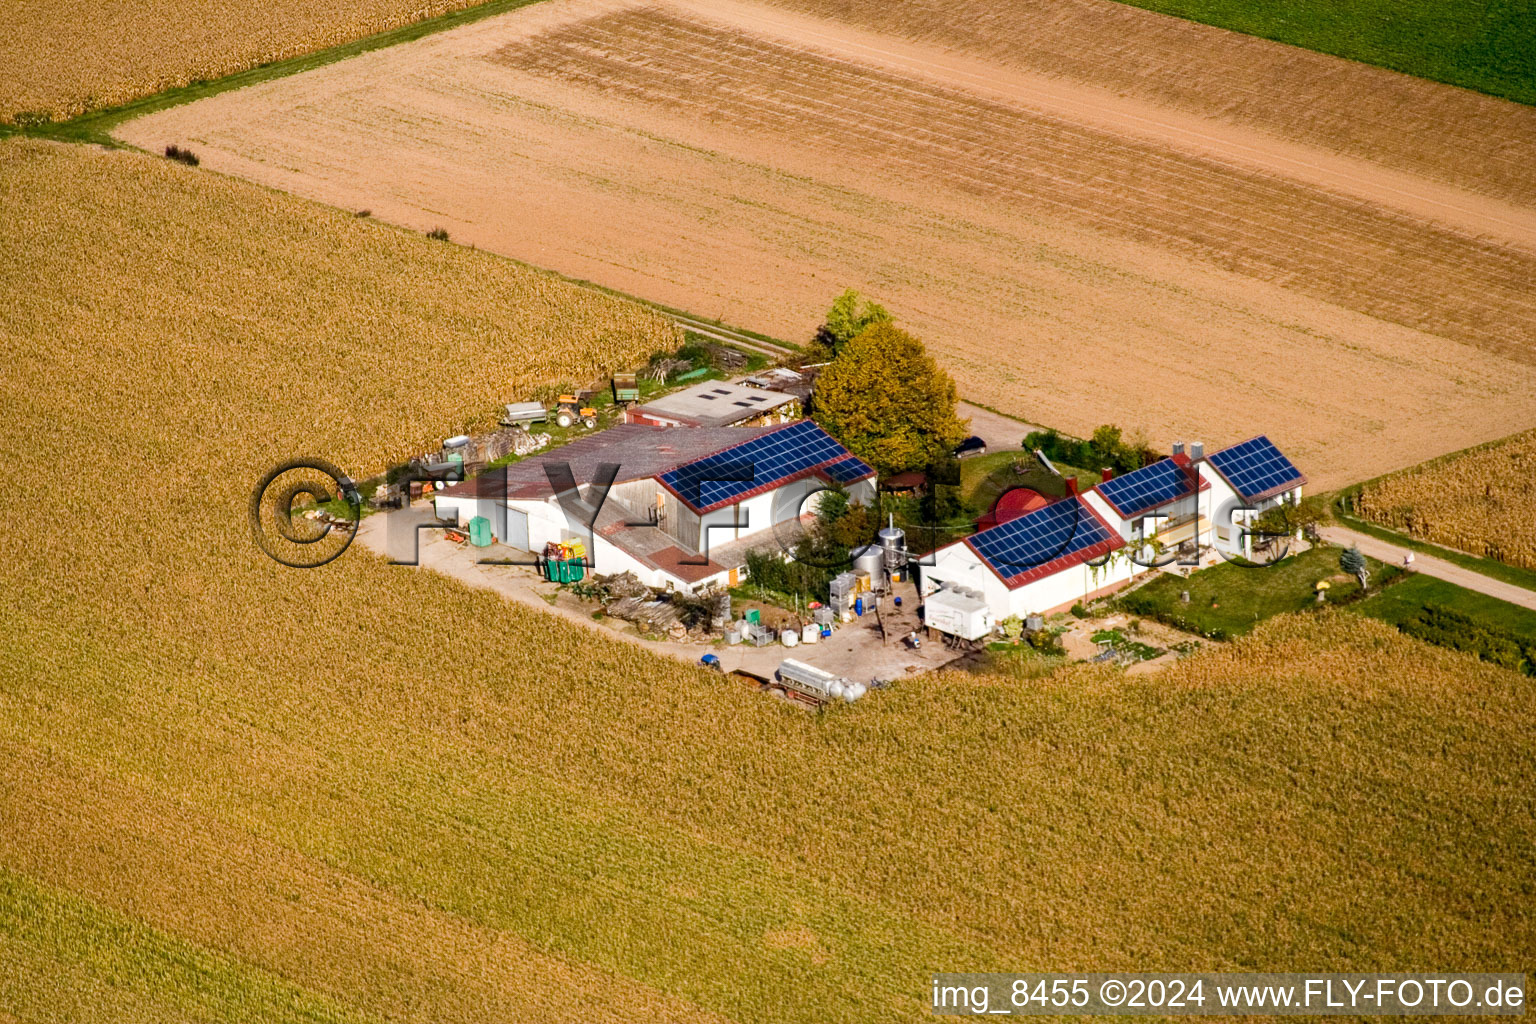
pixel 846 471
pixel 1059 529
pixel 762 461
pixel 1256 468
pixel 1147 488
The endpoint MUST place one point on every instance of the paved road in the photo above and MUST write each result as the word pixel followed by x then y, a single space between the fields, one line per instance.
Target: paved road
pixel 1429 565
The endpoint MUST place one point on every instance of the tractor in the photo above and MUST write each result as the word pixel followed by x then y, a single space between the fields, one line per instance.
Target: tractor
pixel 570 408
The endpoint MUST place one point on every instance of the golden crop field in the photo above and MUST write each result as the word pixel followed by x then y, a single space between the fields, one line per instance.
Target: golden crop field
pixel 58 60
pixel 231 791
pixel 1478 501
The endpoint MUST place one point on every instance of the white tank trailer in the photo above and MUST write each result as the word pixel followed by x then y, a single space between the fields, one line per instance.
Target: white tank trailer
pixel 815 682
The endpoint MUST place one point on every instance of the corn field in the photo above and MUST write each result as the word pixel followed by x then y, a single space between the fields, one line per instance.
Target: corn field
pixel 58 60
pixel 1480 501
pixel 231 791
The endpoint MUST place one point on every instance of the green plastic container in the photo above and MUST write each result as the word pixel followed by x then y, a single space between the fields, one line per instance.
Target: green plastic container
pixel 480 532
pixel 754 616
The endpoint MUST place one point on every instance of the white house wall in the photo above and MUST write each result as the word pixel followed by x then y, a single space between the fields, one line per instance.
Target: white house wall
pixel 958 564
pixel 1070 585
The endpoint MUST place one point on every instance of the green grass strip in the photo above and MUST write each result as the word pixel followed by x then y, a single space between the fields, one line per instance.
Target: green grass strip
pixel 56 946
pixel 1397 604
pixel 1520 577
pixel 96 126
pixel 1488 46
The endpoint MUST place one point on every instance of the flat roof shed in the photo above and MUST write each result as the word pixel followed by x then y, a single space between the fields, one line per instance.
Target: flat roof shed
pixel 711 404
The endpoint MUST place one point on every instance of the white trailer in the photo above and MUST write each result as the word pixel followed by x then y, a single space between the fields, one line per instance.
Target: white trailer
pixel 524 414
pixel 818 684
pixel 957 614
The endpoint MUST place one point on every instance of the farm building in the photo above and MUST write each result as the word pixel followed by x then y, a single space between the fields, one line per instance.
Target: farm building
pixel 1048 557
pixel 717 404
pixel 684 506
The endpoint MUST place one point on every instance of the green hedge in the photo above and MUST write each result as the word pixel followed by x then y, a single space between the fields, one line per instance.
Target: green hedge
pixel 1439 625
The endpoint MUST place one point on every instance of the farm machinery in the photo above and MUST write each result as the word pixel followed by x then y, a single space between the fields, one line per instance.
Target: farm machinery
pixel 570 408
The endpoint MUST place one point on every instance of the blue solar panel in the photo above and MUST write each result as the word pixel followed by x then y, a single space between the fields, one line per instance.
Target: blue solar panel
pixel 846 471
pixel 1256 469
pixel 1147 488
pixel 726 476
pixel 1044 535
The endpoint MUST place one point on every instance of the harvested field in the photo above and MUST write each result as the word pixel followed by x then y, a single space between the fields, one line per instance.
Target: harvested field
pixel 1479 501
pixel 231 791
pixel 1478 142
pixel 59 60
pixel 1069 263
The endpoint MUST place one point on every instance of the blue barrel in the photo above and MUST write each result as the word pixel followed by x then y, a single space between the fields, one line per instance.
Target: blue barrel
pixel 858 606
pixel 898 602
pixel 826 631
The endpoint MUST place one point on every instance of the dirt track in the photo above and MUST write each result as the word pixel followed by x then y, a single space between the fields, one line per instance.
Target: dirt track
pixel 1073 256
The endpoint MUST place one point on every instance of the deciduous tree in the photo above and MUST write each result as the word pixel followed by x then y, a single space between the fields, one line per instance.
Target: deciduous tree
pixel 888 401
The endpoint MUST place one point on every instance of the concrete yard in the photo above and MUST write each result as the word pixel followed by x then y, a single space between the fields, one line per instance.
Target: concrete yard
pixel 855 650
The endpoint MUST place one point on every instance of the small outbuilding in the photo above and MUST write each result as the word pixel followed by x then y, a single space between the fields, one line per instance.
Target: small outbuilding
pixel 717 404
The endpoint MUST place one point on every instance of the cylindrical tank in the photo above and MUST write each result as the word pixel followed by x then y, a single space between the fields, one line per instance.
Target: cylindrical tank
pixel 893 543
pixel 810 634
pixel 870 559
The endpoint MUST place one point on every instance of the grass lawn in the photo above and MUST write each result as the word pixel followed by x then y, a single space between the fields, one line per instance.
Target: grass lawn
pixel 1486 45
pixel 1401 602
pixel 1230 599
pixel 984 477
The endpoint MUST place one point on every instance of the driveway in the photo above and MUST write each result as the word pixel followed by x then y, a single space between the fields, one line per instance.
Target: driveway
pixel 859 650
pixel 1431 566
pixel 1002 433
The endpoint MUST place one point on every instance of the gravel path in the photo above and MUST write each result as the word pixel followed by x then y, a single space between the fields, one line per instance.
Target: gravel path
pixel 1431 566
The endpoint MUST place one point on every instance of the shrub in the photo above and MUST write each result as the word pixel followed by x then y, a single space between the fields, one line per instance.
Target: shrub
pixel 1443 627
pixel 1046 642
pixel 440 234
pixel 183 156
pixel 1107 449
pixel 1079 610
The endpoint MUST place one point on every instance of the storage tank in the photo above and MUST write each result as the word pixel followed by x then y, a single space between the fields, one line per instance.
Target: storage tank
pixel 870 559
pixel 810 634
pixel 789 637
pixel 893 544
pixel 798 675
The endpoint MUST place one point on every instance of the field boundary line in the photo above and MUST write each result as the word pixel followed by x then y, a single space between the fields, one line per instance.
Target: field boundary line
pixel 96 126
